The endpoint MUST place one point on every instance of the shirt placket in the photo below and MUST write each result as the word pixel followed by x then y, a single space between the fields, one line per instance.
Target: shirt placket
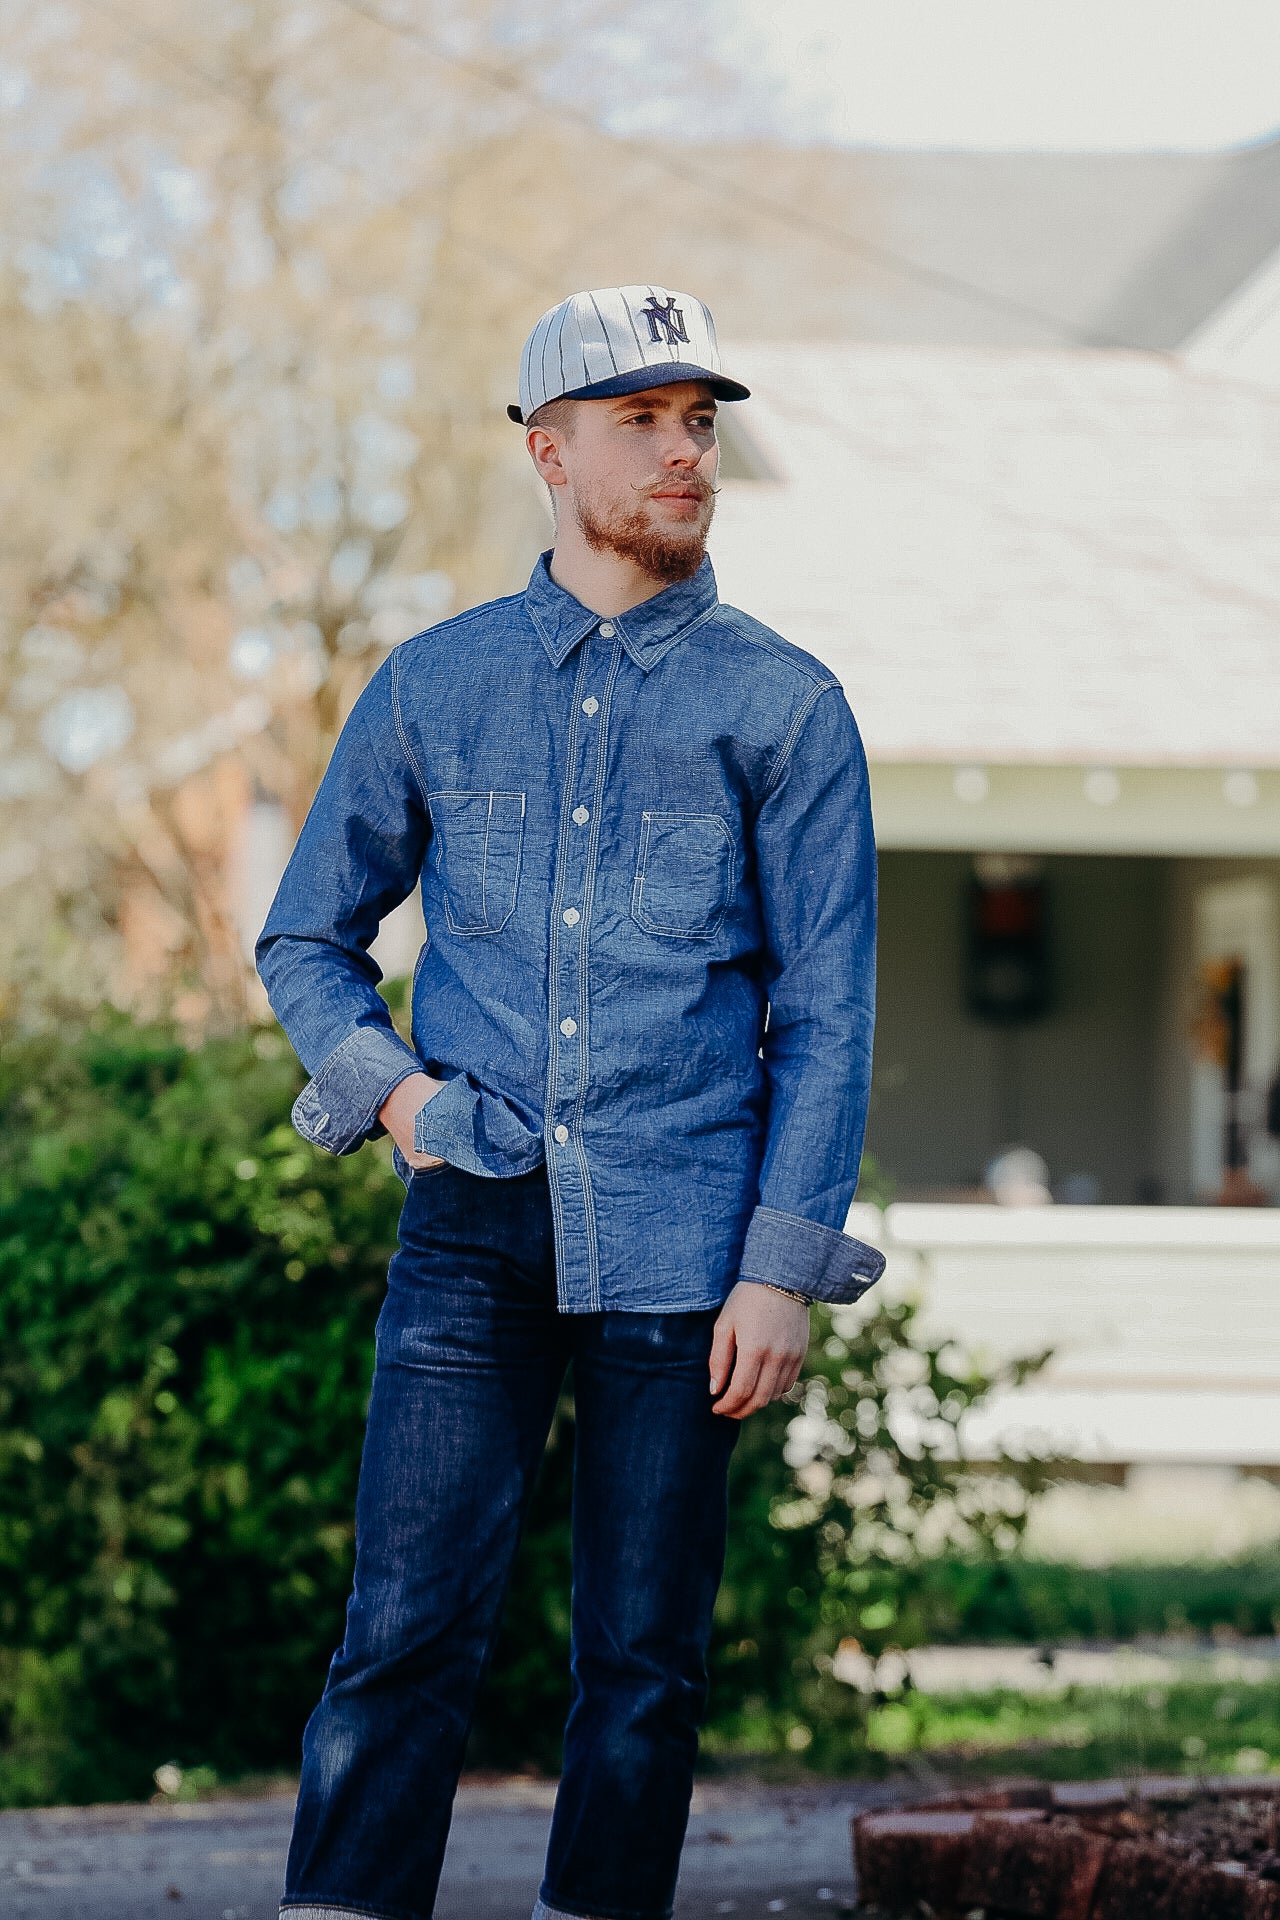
pixel 568 1071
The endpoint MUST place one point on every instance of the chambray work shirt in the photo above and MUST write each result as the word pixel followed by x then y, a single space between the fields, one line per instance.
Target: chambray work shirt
pixel 648 878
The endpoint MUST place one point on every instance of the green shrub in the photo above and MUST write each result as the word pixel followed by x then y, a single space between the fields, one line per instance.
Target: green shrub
pixel 187 1300
pixel 1020 1601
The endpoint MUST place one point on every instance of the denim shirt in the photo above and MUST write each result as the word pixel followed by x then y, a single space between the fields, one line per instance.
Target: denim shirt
pixel 648 878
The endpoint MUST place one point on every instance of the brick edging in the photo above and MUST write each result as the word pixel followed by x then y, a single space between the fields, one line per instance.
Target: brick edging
pixel 1018 1851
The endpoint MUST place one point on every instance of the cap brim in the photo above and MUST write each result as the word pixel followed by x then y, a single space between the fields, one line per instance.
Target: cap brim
pixel 641 379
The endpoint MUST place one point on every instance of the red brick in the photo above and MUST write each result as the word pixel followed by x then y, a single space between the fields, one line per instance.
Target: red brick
pixel 1156 1884
pixel 1044 1870
pixel 1135 1880
pixel 903 1858
pixel 1264 1900
pixel 1206 1893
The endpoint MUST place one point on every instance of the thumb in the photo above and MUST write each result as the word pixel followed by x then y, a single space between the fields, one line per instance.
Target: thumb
pixel 723 1347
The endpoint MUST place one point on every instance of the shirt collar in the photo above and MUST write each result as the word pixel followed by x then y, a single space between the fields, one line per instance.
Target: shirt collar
pixel 645 631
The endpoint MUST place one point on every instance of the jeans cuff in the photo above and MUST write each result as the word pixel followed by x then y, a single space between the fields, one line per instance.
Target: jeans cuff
pixel 328 1913
pixel 542 1911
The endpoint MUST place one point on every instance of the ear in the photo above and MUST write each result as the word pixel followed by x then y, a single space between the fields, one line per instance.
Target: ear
pixel 544 451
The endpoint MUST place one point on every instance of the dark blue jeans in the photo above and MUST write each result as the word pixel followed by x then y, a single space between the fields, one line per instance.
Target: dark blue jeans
pixel 471 1355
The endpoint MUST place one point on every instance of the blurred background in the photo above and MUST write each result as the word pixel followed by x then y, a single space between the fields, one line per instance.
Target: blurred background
pixel 1006 286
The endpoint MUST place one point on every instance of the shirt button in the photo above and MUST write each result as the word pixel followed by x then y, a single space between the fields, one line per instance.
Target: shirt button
pixel 606 629
pixel 571 916
pixel 590 704
pixel 568 1026
pixel 581 815
pixel 562 1133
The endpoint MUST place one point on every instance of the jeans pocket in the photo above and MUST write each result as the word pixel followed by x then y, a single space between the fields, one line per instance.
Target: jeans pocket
pixel 408 1173
pixel 684 874
pixel 479 840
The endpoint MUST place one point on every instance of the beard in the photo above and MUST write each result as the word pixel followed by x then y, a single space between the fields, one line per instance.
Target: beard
pixel 666 553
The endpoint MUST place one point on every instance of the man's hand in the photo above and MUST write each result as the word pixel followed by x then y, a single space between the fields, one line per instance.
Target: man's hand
pixel 761 1338
pixel 399 1111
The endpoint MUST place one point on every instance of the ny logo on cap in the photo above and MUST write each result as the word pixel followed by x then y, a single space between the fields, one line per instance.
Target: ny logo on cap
pixel 666 320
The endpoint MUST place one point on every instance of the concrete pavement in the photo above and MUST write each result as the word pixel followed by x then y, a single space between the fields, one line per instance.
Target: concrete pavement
pixel 751 1851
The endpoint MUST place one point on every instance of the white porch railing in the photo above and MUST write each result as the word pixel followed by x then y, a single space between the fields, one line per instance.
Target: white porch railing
pixel 1165 1322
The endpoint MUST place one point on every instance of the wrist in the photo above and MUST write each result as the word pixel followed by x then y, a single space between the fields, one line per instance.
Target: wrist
pixel 402 1104
pixel 775 1286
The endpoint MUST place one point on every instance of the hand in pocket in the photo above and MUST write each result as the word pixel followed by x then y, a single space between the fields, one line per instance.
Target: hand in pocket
pixel 399 1111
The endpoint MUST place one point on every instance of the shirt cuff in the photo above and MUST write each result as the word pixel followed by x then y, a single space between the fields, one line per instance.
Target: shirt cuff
pixel 820 1261
pixel 478 1130
pixel 338 1107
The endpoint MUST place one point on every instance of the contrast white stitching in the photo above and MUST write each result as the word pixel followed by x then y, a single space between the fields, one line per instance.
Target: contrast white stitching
pixel 705 929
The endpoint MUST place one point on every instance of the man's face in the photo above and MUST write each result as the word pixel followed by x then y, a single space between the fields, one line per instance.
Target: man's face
pixel 639 476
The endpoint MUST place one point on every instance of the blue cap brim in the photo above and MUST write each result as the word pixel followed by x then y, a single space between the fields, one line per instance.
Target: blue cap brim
pixel 642 378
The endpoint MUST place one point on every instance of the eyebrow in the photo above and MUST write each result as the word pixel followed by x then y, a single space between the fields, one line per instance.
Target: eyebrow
pixel 645 399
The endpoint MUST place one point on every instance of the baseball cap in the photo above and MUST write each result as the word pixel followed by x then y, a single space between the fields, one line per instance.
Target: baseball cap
pixel 615 340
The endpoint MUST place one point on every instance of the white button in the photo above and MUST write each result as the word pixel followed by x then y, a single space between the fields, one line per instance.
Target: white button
pixel 571 916
pixel 568 1026
pixel 591 704
pixel 581 815
pixel 606 629
pixel 562 1133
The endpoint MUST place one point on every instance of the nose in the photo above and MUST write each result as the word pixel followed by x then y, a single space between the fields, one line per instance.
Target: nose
pixel 686 450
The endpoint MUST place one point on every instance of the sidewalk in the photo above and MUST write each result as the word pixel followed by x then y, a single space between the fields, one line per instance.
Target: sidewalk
pixel 751 1851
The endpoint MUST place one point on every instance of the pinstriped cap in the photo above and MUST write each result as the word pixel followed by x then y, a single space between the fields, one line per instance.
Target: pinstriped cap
pixel 620 340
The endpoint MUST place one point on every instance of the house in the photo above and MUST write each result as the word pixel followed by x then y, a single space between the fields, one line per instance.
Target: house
pixel 1049 580
pixel 1048 576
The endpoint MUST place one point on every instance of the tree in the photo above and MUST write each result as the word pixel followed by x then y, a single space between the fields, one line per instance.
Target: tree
pixel 269 274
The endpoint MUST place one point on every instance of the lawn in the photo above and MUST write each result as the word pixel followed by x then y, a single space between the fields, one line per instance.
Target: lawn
pixel 1087 1732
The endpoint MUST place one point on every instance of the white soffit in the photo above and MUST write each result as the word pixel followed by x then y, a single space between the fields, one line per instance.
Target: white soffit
pixel 1048 558
pixel 976 808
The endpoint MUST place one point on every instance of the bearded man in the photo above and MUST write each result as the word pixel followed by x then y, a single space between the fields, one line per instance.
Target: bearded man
pixel 629 1122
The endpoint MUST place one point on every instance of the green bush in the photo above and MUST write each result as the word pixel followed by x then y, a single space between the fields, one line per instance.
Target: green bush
pixel 188 1295
pixel 1020 1601
pixel 187 1300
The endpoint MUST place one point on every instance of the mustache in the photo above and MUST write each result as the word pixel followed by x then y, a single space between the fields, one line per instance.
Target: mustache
pixel 692 482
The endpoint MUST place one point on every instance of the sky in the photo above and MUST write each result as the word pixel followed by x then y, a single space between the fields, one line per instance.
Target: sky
pixel 1073 75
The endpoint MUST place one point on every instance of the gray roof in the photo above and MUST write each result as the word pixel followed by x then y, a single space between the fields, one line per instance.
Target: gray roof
pixel 1054 557
pixel 1002 250
pixel 1223 237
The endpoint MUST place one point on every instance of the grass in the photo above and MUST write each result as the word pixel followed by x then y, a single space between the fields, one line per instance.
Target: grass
pixel 1080 1733
pixel 1087 1733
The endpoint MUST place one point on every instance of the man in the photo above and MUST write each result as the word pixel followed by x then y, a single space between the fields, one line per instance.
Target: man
pixel 629 1124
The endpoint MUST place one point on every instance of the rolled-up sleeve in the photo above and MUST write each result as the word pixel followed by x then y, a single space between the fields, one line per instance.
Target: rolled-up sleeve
pixel 359 854
pixel 816 871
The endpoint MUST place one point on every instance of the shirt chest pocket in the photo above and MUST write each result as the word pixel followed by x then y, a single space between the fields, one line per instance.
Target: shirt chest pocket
pixel 684 874
pixel 479 837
